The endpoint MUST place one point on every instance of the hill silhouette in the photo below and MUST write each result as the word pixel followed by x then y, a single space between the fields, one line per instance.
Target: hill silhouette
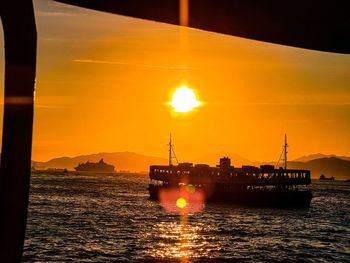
pixel 310 157
pixel 329 166
pixel 123 161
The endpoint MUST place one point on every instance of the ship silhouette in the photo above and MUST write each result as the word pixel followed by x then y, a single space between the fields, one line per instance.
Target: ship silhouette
pixel 266 185
pixel 324 178
pixel 100 166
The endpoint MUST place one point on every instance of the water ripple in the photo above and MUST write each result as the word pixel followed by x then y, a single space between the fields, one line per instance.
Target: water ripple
pixel 96 218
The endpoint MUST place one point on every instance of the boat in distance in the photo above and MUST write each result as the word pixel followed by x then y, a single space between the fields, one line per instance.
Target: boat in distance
pixel 99 167
pixel 247 185
pixel 324 178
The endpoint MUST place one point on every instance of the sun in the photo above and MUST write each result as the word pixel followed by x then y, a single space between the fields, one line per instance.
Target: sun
pixel 184 100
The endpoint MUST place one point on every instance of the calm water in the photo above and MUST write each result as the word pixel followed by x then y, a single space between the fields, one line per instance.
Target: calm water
pixel 94 218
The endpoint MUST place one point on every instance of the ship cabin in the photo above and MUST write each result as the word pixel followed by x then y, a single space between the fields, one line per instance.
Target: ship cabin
pixel 249 177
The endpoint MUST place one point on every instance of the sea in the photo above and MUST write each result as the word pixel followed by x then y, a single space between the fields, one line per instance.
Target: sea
pixel 109 218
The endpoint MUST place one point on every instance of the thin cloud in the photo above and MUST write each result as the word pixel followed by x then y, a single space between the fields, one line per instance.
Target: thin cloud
pixel 44 106
pixel 277 104
pixel 55 13
pixel 132 64
pixel 49 107
pixel 294 103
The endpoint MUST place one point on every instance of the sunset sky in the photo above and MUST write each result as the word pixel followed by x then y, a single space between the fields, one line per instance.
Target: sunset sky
pixel 104 83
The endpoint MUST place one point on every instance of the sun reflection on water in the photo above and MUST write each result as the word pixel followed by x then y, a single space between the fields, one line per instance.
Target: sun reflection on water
pixel 178 240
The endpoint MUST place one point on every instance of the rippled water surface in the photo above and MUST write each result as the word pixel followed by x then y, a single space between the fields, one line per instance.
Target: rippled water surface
pixel 98 218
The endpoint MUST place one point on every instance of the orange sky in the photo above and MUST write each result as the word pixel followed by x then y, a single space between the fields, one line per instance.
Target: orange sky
pixel 103 83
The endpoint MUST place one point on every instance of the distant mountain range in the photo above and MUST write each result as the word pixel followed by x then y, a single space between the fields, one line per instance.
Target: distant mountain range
pixel 329 165
pixel 307 158
pixel 123 161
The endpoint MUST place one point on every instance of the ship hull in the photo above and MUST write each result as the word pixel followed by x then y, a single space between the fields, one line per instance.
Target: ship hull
pixel 269 198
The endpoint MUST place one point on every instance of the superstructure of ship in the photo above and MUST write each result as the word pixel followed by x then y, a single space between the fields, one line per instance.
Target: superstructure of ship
pixel 266 185
pixel 100 167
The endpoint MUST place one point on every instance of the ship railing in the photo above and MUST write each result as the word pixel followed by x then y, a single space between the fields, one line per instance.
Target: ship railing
pixel 163 171
pixel 248 180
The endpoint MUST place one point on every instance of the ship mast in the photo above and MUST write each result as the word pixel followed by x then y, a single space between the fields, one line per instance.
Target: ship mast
pixel 172 154
pixel 170 151
pixel 284 154
pixel 285 151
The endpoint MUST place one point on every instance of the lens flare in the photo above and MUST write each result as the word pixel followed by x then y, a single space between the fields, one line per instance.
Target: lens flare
pixel 181 203
pixel 191 188
pixel 182 200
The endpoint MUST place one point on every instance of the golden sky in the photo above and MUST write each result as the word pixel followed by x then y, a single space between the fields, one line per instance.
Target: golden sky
pixel 104 81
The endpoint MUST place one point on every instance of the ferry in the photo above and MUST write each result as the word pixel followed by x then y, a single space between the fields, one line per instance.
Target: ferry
pixel 324 178
pixel 100 167
pixel 266 185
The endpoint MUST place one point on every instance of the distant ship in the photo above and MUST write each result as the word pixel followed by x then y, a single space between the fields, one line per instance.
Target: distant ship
pixel 324 178
pixel 100 166
pixel 247 185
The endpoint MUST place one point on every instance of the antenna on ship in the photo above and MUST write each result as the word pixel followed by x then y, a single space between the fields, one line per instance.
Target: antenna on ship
pixel 284 154
pixel 285 151
pixel 172 154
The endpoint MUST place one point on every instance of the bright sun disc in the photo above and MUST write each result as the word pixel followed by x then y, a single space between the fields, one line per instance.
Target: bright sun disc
pixel 184 100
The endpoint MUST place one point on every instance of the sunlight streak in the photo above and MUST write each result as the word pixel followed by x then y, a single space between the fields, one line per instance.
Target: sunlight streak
pixel 184 9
